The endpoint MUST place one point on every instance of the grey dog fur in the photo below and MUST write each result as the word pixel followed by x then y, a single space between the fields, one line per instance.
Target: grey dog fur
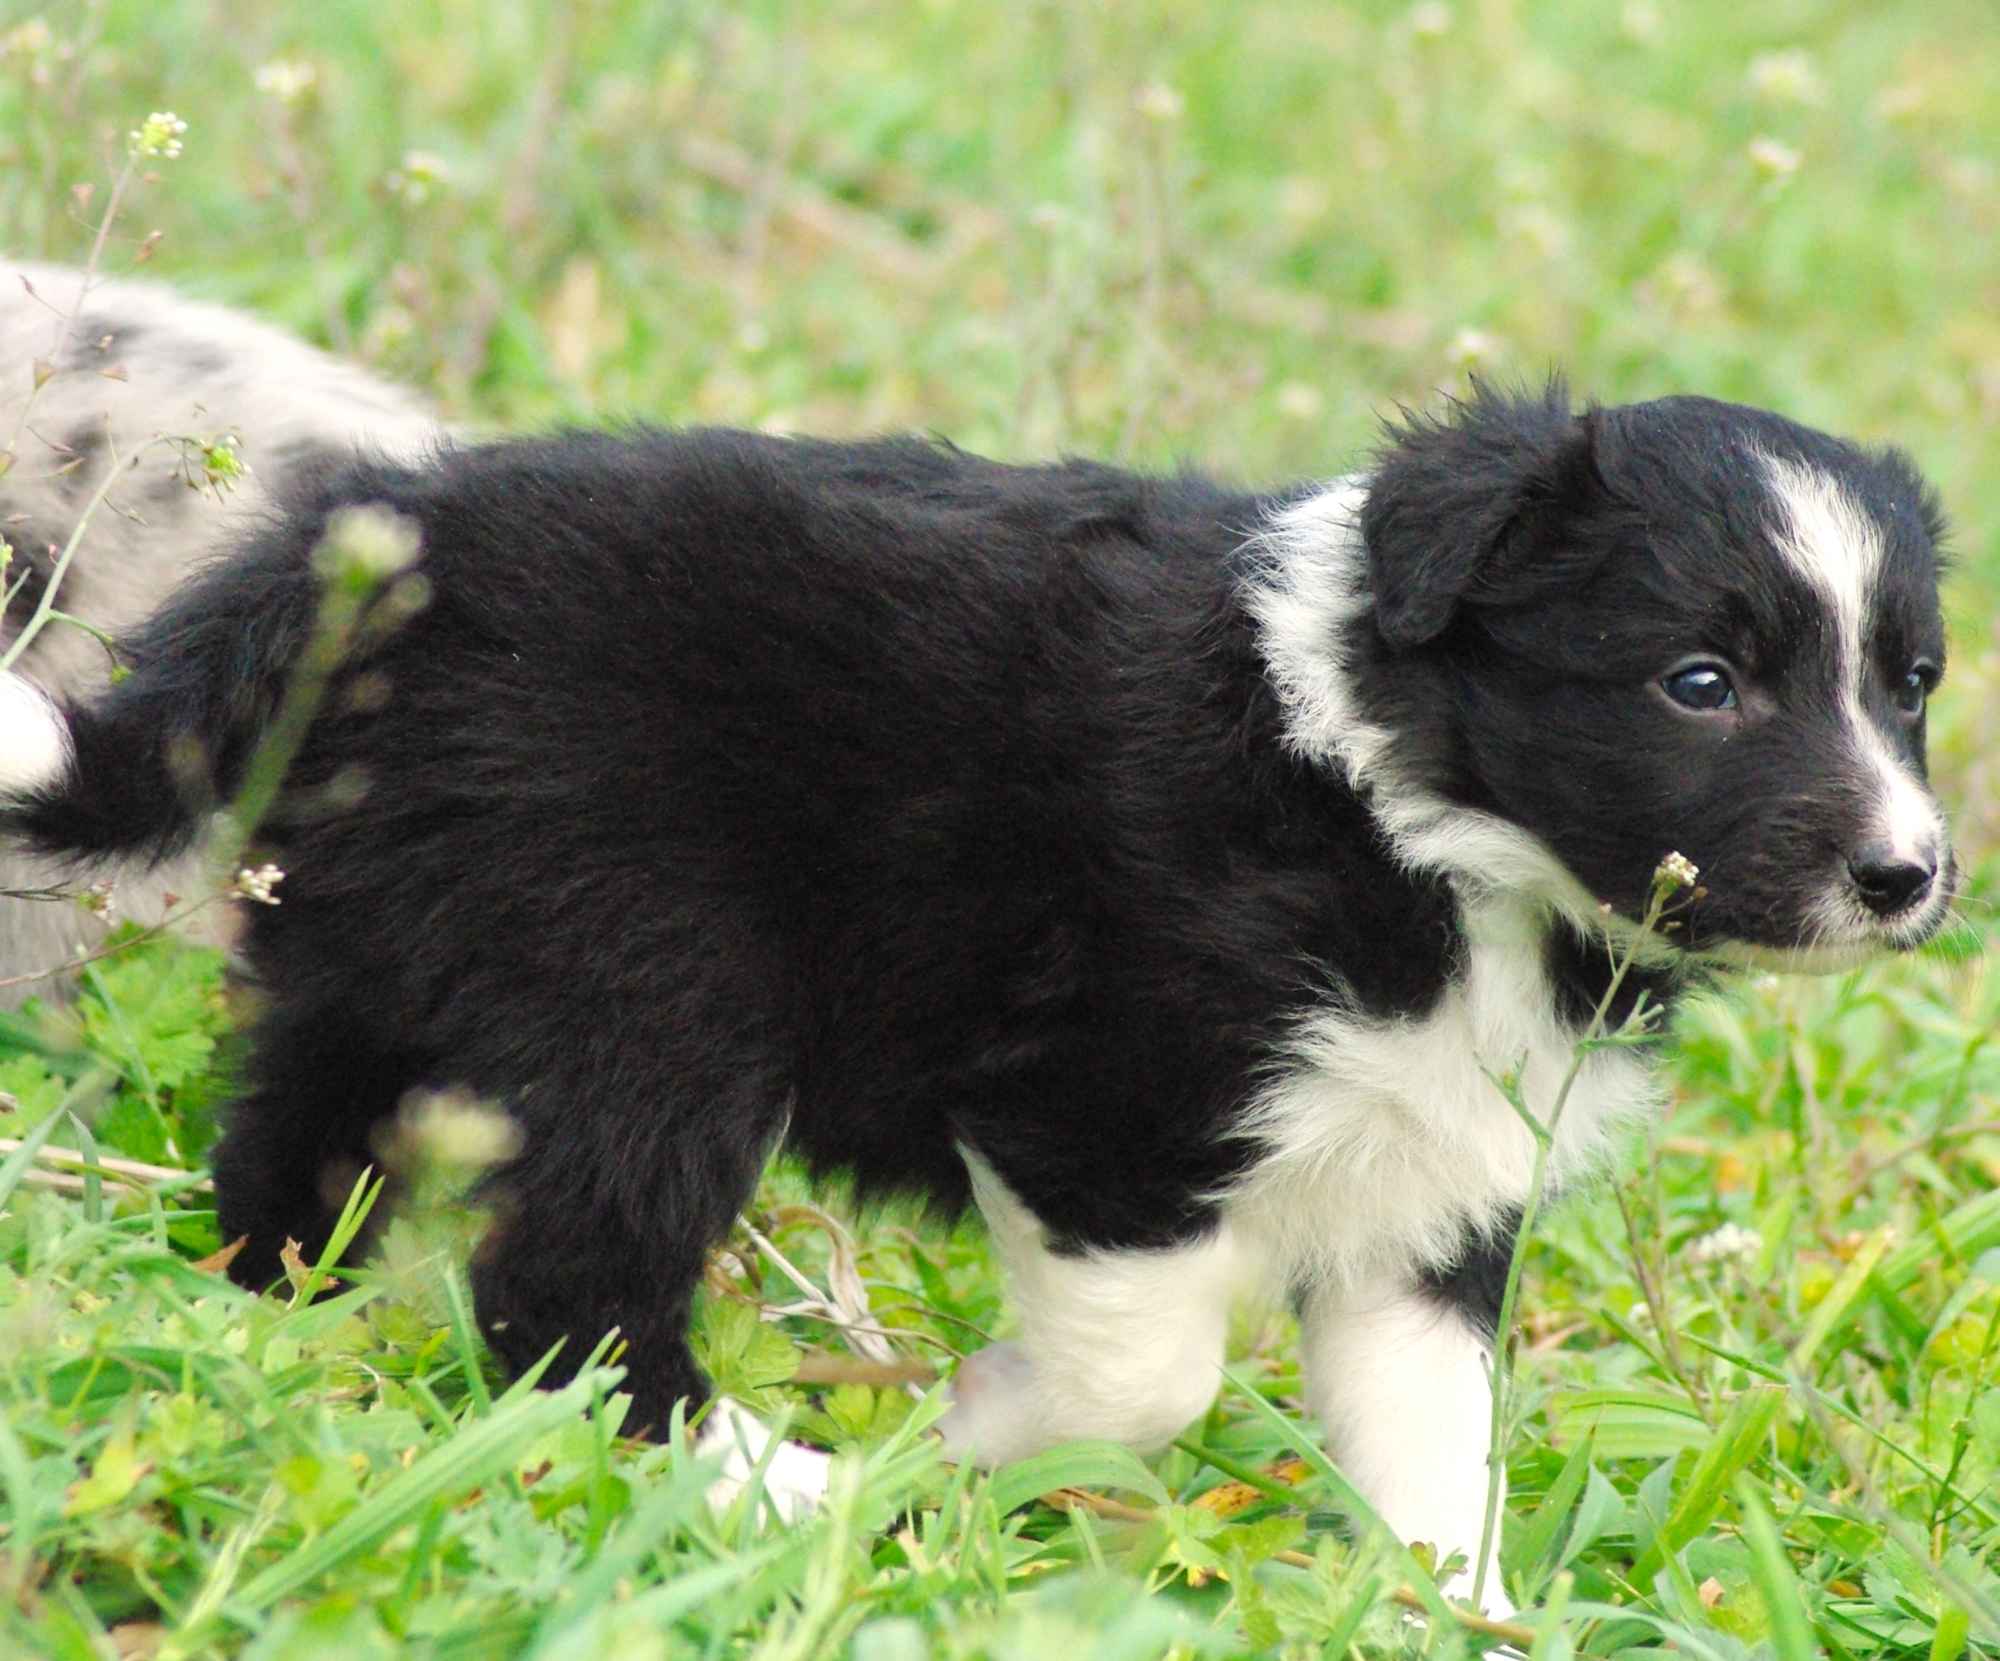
pixel 131 361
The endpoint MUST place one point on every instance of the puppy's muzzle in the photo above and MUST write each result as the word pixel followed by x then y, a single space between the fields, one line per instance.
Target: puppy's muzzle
pixel 1889 881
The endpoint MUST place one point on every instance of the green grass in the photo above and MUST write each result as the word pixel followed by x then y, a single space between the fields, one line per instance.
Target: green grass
pixel 1153 231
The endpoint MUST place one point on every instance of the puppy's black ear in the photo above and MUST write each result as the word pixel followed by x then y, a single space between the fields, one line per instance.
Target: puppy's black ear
pixel 1454 496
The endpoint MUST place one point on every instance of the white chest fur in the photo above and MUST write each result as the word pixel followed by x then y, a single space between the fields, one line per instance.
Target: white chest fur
pixel 1384 1140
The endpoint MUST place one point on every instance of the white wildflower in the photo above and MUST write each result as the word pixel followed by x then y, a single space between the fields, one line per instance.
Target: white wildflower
pixel 259 885
pixel 1431 19
pixel 286 79
pixel 369 543
pixel 1473 349
pixel 449 1127
pixel 1725 1244
pixel 100 899
pixel 1772 159
pixel 1676 871
pixel 1159 102
pixel 1688 285
pixel 420 175
pixel 1642 23
pixel 160 136
pixel 1785 78
pixel 1301 401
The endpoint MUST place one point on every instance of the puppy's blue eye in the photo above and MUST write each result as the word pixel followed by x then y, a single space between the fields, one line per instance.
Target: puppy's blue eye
pixel 1700 686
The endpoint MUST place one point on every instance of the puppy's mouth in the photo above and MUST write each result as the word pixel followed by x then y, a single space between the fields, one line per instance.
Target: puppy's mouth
pixel 1854 920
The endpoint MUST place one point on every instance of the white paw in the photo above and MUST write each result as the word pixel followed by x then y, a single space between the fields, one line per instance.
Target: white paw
pixel 34 738
pixel 993 1414
pixel 794 1479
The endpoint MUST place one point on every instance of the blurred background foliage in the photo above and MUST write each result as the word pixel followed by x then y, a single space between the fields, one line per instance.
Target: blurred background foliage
pixel 1148 229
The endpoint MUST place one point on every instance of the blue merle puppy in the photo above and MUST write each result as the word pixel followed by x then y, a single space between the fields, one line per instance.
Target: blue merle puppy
pixel 121 363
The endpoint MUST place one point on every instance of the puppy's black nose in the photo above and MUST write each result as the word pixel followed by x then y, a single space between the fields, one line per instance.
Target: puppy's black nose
pixel 1887 881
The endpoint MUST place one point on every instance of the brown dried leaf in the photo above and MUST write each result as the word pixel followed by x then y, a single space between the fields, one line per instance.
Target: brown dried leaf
pixel 1228 1499
pixel 297 1270
pixel 218 1262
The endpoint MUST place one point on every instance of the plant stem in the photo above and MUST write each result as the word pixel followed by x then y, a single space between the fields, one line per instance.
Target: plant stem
pixel 1544 1135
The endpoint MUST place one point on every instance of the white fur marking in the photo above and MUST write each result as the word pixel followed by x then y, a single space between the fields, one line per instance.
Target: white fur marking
pixel 1311 581
pixel 1122 1346
pixel 1404 1390
pixel 1911 821
pixel 795 1479
pixel 34 739
pixel 1833 543
pixel 1385 1140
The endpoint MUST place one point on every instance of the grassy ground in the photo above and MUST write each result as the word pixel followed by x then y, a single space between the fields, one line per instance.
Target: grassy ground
pixel 1758 1411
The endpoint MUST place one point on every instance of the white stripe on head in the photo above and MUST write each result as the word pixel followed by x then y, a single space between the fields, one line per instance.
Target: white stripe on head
pixel 34 738
pixel 1831 541
pixel 1911 821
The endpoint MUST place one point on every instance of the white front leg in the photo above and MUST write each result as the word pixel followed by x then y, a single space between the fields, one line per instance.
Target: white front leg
pixel 1123 1346
pixel 1402 1384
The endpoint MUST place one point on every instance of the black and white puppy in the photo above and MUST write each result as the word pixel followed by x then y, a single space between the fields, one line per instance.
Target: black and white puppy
pixel 1168 869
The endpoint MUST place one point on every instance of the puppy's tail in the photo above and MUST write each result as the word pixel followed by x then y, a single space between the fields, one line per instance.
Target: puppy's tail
pixel 137 769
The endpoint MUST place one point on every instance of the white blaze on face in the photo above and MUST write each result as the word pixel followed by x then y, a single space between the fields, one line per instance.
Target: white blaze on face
pixel 1836 546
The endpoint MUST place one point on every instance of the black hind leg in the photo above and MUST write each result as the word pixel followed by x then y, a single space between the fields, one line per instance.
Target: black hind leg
pixel 317 1090
pixel 605 1220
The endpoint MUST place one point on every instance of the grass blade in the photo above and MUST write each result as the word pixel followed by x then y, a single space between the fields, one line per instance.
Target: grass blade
pixel 1833 1309
pixel 478 1453
pixel 1736 1442
pixel 1776 1582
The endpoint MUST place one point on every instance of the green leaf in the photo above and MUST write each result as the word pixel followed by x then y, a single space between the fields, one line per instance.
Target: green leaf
pixel 1365 1518
pixel 113 1475
pixel 1535 1543
pixel 15 1166
pixel 1986 1422
pixel 1963 1233
pixel 30 1082
pixel 1740 1437
pixel 1953 1628
pixel 1552 1641
pixel 1249 1544
pixel 1630 1424
pixel 478 1453
pixel 1777 1583
pixel 154 1015
pixel 1075 1465
pixel 1602 1512
pixel 741 1352
pixel 1831 1312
